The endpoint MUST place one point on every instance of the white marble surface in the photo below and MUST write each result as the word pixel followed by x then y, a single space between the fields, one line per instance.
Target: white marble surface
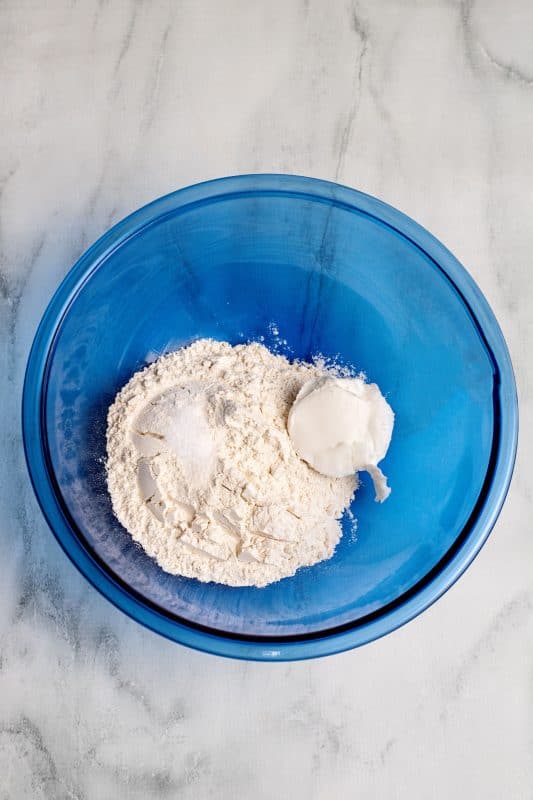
pixel 106 105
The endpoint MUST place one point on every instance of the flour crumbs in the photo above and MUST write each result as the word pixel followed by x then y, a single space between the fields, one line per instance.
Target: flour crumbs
pixel 203 474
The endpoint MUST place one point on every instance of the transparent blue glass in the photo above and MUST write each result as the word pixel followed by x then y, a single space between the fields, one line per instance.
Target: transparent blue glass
pixel 339 273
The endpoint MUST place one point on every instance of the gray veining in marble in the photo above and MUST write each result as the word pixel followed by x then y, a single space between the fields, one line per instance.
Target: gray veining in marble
pixel 109 104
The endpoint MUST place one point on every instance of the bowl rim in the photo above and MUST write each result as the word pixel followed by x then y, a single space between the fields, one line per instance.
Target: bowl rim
pixel 241 647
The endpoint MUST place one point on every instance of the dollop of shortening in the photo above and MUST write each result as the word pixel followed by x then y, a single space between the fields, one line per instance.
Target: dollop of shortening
pixel 340 426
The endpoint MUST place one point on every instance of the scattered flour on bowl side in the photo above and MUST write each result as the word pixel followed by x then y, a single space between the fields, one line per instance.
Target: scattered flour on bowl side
pixel 202 473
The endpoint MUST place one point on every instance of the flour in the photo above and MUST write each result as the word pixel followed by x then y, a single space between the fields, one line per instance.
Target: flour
pixel 202 473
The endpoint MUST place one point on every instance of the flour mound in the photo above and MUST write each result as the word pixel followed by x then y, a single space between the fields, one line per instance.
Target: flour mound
pixel 203 475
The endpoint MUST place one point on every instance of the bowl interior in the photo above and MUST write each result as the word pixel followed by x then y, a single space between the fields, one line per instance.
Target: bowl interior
pixel 333 280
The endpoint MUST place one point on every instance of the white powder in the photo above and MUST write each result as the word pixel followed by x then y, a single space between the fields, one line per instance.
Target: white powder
pixel 202 473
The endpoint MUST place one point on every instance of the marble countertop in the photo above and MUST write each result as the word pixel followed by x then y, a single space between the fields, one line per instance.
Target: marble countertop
pixel 108 104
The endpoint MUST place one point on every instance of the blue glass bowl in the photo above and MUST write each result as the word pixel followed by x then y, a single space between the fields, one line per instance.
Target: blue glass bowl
pixel 338 273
